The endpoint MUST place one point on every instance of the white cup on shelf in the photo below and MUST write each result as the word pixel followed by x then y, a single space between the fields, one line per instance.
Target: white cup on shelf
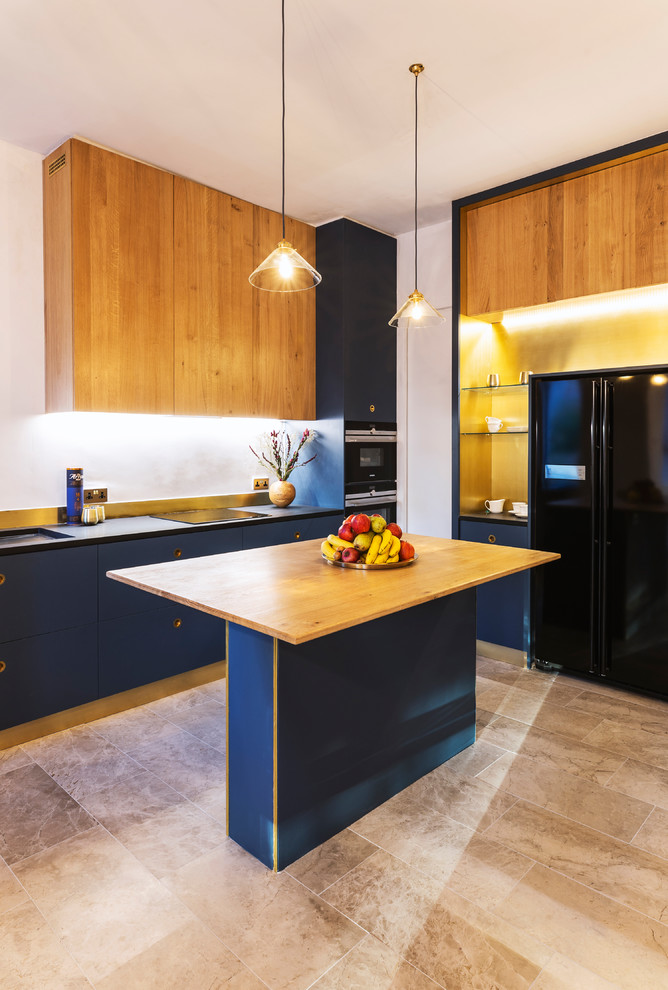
pixel 493 424
pixel 521 509
pixel 495 504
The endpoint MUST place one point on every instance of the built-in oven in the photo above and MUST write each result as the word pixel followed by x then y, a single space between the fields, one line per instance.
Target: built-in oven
pixel 370 453
pixel 370 498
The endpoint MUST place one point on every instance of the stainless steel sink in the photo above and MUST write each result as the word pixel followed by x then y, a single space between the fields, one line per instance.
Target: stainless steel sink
pixel 199 516
pixel 27 537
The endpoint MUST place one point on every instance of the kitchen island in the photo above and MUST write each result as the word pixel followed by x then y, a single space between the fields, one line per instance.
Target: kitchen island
pixel 344 685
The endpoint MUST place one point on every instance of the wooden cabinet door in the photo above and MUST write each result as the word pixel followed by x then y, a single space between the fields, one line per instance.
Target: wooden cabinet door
pixel 283 371
pixel 513 252
pixel 616 227
pixel 108 229
pixel 213 302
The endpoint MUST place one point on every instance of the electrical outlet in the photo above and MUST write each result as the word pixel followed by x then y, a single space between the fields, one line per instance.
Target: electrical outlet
pixel 260 484
pixel 95 495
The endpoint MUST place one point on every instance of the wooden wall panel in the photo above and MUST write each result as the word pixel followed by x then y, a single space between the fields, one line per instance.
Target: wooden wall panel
pixel 283 329
pixel 123 283
pixel 213 302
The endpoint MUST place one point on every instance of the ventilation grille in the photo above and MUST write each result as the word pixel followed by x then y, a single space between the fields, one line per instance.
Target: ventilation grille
pixel 57 164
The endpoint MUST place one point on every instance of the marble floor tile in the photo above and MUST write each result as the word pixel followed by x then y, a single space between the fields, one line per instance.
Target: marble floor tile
pixel 585 802
pixel 644 740
pixel 607 938
pixel 12 758
pixel 468 800
pixel 282 932
pixel 476 758
pixel 80 760
pixel 562 973
pixel 178 702
pixel 630 875
pixel 490 695
pixel 101 902
pixel 498 670
pixel 132 801
pixel 531 708
pixel 12 893
pixel 185 763
pixel 191 958
pixel 653 836
pixel 642 781
pixel 327 863
pixel 620 707
pixel 463 947
pixel 133 728
pixel 483 718
pixel 32 957
pixel 207 721
pixel 580 758
pixel 35 813
pixel 212 798
pixel 372 965
pixel 554 691
pixel 444 849
pixel 215 690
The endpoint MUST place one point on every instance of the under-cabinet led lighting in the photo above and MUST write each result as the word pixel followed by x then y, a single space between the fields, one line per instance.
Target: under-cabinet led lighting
pixel 608 303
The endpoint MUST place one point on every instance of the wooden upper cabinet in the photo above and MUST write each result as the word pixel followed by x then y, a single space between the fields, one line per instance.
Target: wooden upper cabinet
pixel 513 252
pixel 239 351
pixel 616 227
pixel 108 252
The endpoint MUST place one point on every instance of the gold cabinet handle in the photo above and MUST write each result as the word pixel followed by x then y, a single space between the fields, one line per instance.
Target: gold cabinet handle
pixel 372 408
pixel 491 538
pixel 2 665
pixel 177 623
pixel 178 552
pixel 2 578
pixel 298 535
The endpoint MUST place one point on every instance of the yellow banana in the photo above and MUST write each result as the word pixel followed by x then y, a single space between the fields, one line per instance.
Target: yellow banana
pixel 337 542
pixel 396 546
pixel 386 542
pixel 382 558
pixel 329 551
pixel 372 552
pixel 394 559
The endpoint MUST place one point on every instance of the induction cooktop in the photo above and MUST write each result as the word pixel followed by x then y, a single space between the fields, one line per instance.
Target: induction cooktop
pixel 199 516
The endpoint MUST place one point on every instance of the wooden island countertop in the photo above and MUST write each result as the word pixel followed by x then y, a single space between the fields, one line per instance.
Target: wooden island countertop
pixel 289 592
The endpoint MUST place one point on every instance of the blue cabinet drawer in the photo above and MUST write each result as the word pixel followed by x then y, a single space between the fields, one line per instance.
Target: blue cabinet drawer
pixel 119 599
pixel 47 674
pixel 502 605
pixel 287 531
pixel 138 649
pixel 46 591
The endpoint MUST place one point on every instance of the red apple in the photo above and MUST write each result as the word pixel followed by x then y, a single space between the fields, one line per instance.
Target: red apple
pixel 406 550
pixel 347 521
pixel 360 523
pixel 395 530
pixel 350 555
pixel 346 533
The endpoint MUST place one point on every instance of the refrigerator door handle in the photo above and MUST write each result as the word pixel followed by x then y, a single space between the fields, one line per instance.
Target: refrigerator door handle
pixel 606 468
pixel 595 448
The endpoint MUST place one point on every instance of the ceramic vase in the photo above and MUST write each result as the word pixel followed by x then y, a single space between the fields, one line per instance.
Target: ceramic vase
pixel 281 493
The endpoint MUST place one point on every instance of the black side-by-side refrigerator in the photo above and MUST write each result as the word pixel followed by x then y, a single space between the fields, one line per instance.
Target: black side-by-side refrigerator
pixel 599 497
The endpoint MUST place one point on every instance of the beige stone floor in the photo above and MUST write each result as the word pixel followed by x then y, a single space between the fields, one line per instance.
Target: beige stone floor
pixel 538 858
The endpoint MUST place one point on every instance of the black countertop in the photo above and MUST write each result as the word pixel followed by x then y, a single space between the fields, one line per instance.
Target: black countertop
pixel 137 527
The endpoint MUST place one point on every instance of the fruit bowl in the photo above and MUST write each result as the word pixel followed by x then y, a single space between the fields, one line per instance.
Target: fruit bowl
pixel 362 566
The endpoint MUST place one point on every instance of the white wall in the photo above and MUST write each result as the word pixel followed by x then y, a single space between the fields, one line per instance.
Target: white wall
pixel 424 360
pixel 136 457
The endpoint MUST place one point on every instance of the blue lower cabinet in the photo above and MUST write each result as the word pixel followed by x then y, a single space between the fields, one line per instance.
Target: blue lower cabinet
pixel 503 605
pixel 120 599
pixel 287 531
pixel 138 649
pixel 41 675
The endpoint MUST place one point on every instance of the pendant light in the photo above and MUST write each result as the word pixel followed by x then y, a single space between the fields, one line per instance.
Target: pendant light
pixel 284 270
pixel 416 312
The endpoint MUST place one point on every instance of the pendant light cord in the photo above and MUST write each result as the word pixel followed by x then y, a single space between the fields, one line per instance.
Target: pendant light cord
pixel 283 115
pixel 416 181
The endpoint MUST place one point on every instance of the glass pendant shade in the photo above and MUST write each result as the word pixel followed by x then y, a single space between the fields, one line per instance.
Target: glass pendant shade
pixel 416 313
pixel 284 270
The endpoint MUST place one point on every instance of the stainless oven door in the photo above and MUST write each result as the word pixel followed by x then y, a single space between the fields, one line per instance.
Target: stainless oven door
pixel 370 458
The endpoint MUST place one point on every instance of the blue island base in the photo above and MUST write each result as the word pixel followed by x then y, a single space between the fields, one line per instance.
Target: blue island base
pixel 321 733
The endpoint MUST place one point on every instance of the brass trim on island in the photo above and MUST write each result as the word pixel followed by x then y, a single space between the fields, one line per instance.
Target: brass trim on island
pixel 518 658
pixel 115 703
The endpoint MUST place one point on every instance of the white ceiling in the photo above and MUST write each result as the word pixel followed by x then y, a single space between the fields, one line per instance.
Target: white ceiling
pixel 509 88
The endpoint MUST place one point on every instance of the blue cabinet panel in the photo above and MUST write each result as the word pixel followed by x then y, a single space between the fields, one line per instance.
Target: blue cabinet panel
pixel 287 531
pixel 119 599
pixel 138 649
pixel 502 615
pixel 42 592
pixel 47 674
